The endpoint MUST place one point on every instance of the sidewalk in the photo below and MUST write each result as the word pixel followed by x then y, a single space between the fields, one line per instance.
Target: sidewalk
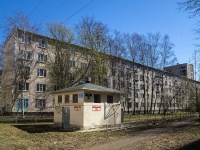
pixel 127 143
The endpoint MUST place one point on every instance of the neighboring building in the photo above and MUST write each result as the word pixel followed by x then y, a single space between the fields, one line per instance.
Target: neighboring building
pixel 143 89
pixel 185 70
pixel 87 106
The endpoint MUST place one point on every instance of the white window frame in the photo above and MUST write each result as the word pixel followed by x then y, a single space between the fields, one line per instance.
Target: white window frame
pixel 42 43
pixel 25 39
pixel 41 72
pixel 40 103
pixel 42 57
pixel 41 88
pixel 25 54
pixel 25 87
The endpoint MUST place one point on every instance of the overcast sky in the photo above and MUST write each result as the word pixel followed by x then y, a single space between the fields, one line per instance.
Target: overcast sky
pixel 127 16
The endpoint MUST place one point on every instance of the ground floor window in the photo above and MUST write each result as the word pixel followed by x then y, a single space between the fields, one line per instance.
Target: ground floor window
pixel 75 98
pixel 20 101
pixel 97 98
pixel 66 98
pixel 40 103
pixel 109 99
pixel 59 98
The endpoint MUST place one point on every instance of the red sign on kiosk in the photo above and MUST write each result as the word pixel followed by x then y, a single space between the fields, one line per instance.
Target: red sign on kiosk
pixel 77 108
pixel 96 108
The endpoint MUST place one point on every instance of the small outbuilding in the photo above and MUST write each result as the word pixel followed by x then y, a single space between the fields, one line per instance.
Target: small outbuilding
pixel 87 106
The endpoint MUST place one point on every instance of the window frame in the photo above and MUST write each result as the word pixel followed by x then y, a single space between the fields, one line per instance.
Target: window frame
pixel 26 39
pixel 75 98
pixel 59 99
pixel 41 86
pixel 19 102
pixel 109 100
pixel 42 58
pixel 25 87
pixel 41 72
pixel 42 43
pixel 67 96
pixel 24 54
pixel 40 103
pixel 97 98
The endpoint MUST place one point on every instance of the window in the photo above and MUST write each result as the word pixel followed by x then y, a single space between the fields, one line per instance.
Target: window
pixel 42 57
pixel 130 85
pixel 56 88
pixel 19 102
pixel 129 105
pixel 97 98
pixel 25 54
pixel 142 104
pixel 27 71
pixel 41 72
pixel 71 77
pixel 75 98
pixel 24 87
pixel 141 78
pixel 142 86
pixel 26 39
pixel 136 105
pixel 129 94
pixel 136 86
pixel 43 43
pixel 136 77
pixel 136 95
pixel 66 98
pixel 109 99
pixel 41 87
pixel 72 63
pixel 83 65
pixel 122 84
pixel 59 99
pixel 40 103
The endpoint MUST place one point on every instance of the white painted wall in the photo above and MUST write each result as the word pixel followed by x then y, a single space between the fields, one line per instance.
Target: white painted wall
pixel 86 113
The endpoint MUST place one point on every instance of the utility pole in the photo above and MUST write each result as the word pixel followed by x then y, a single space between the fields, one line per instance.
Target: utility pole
pixel 134 86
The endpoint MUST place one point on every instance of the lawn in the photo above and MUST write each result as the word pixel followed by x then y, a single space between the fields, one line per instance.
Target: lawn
pixel 43 136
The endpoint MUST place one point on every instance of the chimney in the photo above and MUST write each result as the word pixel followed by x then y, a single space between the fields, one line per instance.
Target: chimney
pixel 87 79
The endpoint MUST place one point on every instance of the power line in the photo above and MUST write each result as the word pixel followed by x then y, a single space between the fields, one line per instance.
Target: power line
pixel 35 7
pixel 80 10
pixel 55 9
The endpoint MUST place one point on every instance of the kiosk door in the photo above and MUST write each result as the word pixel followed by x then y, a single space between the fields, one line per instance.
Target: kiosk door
pixel 66 117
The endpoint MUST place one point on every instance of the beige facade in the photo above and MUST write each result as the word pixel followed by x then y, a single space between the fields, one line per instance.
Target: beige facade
pixel 90 106
pixel 142 89
pixel 185 70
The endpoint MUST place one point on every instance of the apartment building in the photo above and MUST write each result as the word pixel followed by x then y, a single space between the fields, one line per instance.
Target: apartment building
pixel 185 70
pixel 143 89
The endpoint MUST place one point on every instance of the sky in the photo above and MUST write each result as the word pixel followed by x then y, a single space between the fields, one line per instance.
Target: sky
pixel 126 16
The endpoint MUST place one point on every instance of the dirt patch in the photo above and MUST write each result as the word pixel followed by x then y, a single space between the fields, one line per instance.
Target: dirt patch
pixel 48 137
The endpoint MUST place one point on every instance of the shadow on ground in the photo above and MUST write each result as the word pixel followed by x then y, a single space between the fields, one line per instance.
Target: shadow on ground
pixel 191 146
pixel 41 128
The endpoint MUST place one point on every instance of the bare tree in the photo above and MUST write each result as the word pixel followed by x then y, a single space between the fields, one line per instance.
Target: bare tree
pixel 191 6
pixel 142 58
pixel 167 58
pixel 62 56
pixel 94 35
pixel 18 63
pixel 132 46
pixel 153 42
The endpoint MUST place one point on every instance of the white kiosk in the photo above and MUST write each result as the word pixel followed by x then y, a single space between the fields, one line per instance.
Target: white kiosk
pixel 87 106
